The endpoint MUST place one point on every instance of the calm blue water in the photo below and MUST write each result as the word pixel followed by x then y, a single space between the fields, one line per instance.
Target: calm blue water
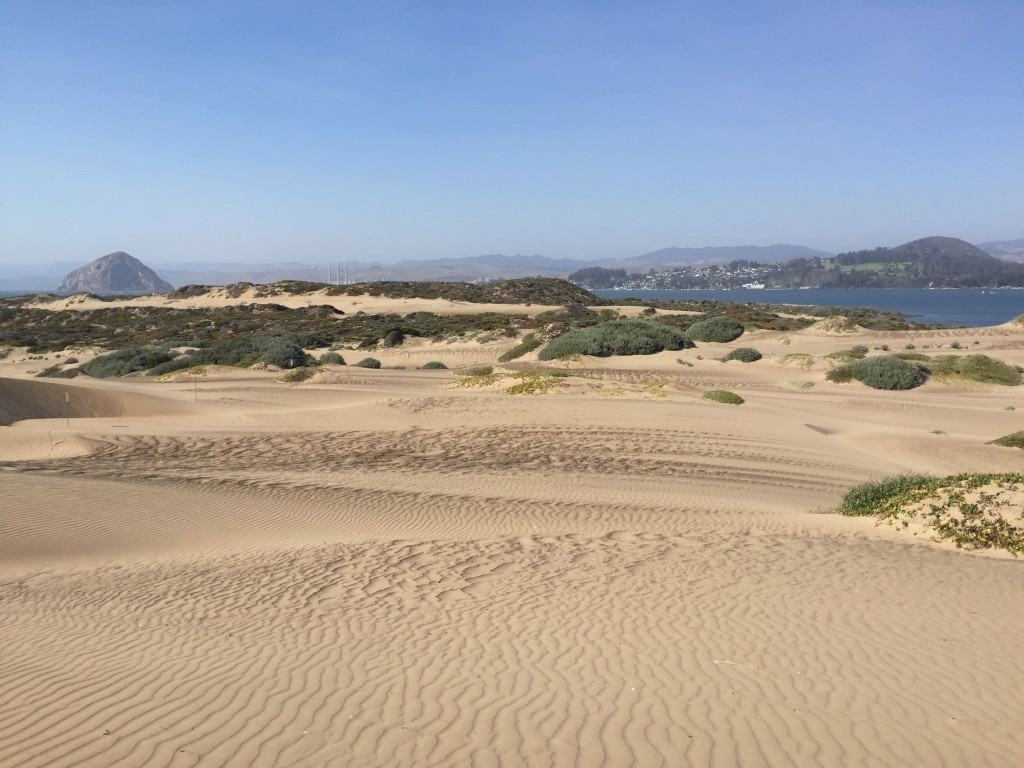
pixel 971 308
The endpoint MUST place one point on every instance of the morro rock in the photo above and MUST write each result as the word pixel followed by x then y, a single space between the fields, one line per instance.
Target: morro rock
pixel 115 273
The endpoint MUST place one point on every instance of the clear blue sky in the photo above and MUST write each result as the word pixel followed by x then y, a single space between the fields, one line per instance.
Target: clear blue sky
pixel 279 131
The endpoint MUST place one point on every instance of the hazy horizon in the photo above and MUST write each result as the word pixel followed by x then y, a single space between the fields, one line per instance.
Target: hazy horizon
pixel 270 133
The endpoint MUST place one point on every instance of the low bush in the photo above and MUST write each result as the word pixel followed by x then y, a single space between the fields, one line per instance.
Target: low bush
pixel 1016 440
pixel 917 357
pixel 298 374
pixel 617 337
pixel 474 370
pixel 393 338
pixel 715 329
pixel 368 362
pixel 859 349
pixel 285 353
pixel 723 396
pixel 331 358
pixel 529 343
pixel 433 365
pixel 981 368
pixel 744 355
pixel 886 372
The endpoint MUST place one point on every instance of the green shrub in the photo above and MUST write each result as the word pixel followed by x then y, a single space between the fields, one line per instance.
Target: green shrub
pixel 859 349
pixel 715 329
pixel 617 337
pixel 49 373
pixel 331 358
pixel 909 346
pixel 474 370
pixel 886 372
pixel 744 355
pixel 368 362
pixel 298 374
pixel 528 344
pixel 981 368
pixel 393 338
pixel 1016 440
pixel 284 353
pixel 915 356
pixel 867 498
pixel 433 365
pixel 723 396
pixel 955 345
pixel 124 362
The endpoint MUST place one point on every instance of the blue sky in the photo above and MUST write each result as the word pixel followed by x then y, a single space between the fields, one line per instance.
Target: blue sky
pixel 307 131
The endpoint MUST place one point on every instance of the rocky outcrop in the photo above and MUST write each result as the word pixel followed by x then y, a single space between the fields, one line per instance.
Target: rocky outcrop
pixel 115 273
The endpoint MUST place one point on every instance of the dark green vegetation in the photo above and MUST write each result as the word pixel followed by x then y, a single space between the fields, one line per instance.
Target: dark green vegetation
pixel 125 361
pixel 529 343
pixel 719 329
pixel 905 370
pixel 1016 440
pixel 744 355
pixel 884 372
pixel 368 362
pixel 617 337
pixel 974 511
pixel 331 358
pixel 536 290
pixel 117 328
pixel 723 396
pixel 433 365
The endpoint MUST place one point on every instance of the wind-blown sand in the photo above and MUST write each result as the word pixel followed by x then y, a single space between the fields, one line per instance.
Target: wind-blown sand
pixel 374 568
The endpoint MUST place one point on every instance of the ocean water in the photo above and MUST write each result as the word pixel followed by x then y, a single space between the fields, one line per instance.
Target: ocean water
pixel 969 308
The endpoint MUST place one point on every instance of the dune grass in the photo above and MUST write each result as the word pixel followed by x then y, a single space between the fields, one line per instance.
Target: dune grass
pixel 1016 440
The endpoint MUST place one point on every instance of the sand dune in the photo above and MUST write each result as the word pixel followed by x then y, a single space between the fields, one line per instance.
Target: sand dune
pixel 375 568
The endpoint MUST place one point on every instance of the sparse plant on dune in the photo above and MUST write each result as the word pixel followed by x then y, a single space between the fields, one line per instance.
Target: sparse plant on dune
pixel 744 355
pixel 1016 440
pixel 971 510
pixel 433 365
pixel 368 362
pixel 723 396
pixel 297 375
pixel 529 343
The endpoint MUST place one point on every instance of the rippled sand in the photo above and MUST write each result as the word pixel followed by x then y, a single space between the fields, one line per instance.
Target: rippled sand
pixel 376 569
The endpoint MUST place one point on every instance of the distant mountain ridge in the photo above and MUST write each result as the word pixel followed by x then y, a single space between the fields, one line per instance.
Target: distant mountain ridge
pixel 43 277
pixel 114 273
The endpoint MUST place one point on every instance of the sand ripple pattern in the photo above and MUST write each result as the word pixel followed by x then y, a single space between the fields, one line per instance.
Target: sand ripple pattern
pixel 623 649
